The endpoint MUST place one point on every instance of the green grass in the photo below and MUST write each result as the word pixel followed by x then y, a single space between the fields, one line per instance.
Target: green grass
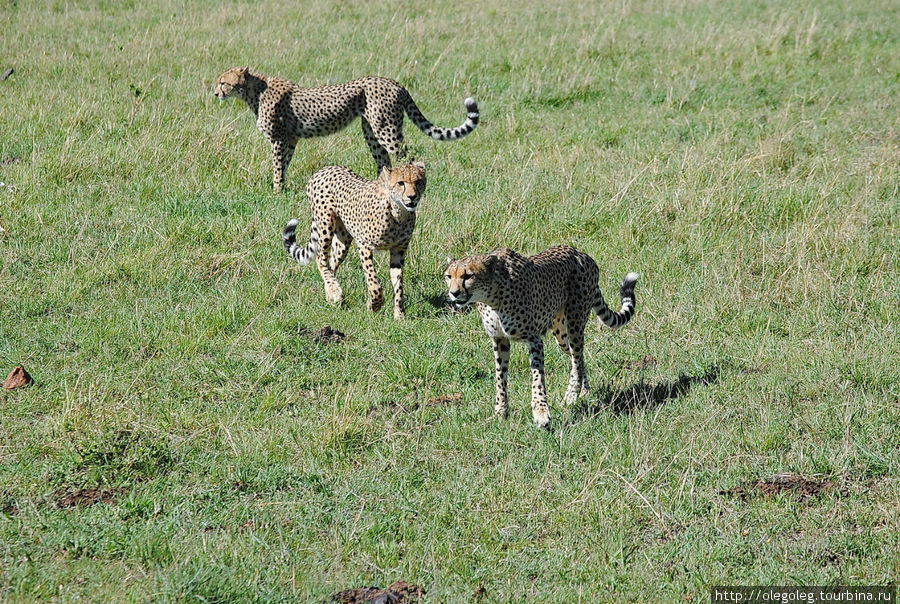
pixel 742 156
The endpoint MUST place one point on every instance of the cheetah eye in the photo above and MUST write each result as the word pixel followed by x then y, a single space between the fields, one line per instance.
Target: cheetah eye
pixel 400 183
pixel 467 276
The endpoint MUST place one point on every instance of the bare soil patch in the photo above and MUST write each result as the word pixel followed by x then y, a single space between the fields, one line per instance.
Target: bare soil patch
pixel 792 485
pixel 400 407
pixel 86 497
pixel 447 399
pixel 648 362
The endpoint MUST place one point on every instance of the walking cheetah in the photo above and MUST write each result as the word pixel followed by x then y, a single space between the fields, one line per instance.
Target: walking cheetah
pixel 379 215
pixel 521 298
pixel 286 112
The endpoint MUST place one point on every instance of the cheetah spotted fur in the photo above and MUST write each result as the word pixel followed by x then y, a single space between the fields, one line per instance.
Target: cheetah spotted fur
pixel 520 298
pixel 286 112
pixel 379 215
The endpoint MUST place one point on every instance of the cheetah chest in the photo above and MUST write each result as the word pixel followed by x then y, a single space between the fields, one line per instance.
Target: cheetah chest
pixel 378 224
pixel 501 325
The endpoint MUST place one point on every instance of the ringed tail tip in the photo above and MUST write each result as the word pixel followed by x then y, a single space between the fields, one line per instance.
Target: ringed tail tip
pixel 288 235
pixel 630 278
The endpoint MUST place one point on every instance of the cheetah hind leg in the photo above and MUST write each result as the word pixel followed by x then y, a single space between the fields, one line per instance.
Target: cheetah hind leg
pixel 379 153
pixel 282 153
pixel 577 373
pixel 333 291
pixel 340 245
pixel 388 136
pixel 402 150
pixel 578 380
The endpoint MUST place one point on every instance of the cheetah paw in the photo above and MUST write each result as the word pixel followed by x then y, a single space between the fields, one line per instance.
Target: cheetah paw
pixel 542 418
pixel 334 295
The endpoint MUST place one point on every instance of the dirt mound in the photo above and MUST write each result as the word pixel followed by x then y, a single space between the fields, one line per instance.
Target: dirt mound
pixel 328 335
pixel 399 592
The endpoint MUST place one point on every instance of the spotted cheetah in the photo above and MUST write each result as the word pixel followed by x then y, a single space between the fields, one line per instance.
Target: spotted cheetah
pixel 379 215
pixel 286 112
pixel 520 298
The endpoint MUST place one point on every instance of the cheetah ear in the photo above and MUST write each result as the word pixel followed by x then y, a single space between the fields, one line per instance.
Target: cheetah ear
pixel 449 260
pixel 420 165
pixel 242 71
pixel 385 174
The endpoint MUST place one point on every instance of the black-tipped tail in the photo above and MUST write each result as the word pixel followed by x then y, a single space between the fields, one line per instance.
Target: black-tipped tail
pixel 444 134
pixel 302 254
pixel 626 293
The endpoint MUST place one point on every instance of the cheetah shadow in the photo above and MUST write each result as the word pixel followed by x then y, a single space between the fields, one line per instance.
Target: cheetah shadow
pixel 642 396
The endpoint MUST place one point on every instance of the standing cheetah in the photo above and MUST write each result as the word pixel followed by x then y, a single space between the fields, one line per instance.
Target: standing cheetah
pixel 379 215
pixel 521 298
pixel 286 112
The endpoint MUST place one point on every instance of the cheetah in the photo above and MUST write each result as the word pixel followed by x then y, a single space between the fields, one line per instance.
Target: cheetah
pixel 520 298
pixel 286 112
pixel 379 215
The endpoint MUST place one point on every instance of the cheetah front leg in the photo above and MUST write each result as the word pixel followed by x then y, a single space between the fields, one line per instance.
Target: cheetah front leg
pixel 376 296
pixel 282 153
pixel 501 365
pixel 398 259
pixel 539 407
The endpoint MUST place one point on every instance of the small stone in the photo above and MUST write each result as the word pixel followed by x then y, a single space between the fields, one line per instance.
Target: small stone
pixel 18 378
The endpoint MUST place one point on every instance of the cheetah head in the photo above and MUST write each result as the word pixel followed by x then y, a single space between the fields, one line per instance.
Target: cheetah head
pixel 230 81
pixel 470 279
pixel 405 184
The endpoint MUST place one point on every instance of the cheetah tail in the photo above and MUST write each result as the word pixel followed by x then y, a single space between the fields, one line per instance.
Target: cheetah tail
pixel 618 319
pixel 305 254
pixel 443 134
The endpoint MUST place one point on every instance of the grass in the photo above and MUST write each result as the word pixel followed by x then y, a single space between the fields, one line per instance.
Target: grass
pixel 743 157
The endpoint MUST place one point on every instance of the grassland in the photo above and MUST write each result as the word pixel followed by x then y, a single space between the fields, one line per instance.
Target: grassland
pixel 744 157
